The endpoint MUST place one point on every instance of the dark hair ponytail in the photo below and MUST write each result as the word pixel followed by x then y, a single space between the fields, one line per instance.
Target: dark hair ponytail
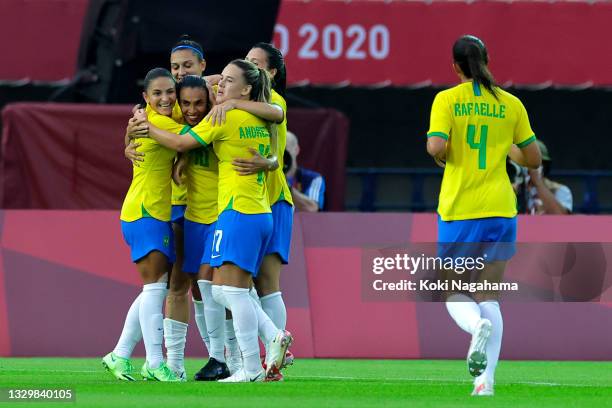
pixel 276 61
pixel 187 43
pixel 470 53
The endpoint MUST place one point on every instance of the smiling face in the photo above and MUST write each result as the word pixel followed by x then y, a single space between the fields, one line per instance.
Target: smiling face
pixel 232 85
pixel 194 104
pixel 161 95
pixel 184 62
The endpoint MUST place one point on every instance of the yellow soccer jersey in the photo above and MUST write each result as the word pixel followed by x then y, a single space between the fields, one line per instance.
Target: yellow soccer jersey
pixel 202 185
pixel 479 130
pixel 241 130
pixel 150 192
pixel 179 193
pixel 278 189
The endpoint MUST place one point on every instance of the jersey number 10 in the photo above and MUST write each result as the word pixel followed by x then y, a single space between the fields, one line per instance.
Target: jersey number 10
pixel 481 146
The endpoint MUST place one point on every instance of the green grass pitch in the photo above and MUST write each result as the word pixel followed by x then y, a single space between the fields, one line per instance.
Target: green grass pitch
pixel 325 383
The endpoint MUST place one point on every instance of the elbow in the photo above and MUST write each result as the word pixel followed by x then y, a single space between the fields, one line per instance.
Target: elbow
pixel 434 149
pixel 179 146
pixel 534 162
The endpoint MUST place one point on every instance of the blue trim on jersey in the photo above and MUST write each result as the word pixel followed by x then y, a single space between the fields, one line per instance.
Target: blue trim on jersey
pixel 476 86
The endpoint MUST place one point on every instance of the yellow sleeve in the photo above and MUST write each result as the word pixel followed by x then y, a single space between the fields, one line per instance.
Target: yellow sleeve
pixel 278 100
pixel 523 135
pixel 205 133
pixel 165 123
pixel 440 122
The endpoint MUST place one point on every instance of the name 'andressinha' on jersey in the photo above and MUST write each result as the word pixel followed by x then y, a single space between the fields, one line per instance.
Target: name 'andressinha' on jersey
pixel 479 129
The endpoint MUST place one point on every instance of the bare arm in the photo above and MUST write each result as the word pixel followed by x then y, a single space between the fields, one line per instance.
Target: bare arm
pixel 302 202
pixel 549 201
pixel 263 110
pixel 436 147
pixel 528 156
pixel 180 143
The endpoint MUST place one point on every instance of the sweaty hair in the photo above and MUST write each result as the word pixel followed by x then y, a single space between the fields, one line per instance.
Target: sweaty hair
pixel 154 74
pixel 186 43
pixel 470 53
pixel 257 77
pixel 275 60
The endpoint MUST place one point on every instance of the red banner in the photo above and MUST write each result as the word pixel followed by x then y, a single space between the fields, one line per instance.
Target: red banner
pixel 70 156
pixel 405 43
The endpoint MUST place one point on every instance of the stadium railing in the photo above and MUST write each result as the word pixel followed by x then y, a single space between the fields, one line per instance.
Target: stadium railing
pixel 370 178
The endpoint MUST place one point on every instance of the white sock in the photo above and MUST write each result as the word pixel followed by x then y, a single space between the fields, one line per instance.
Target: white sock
pixel 464 311
pixel 245 325
pixel 274 306
pixel 200 318
pixel 175 336
pixel 490 310
pixel 265 326
pixel 231 343
pixel 219 296
pixel 215 316
pixel 254 295
pixel 131 333
pixel 151 321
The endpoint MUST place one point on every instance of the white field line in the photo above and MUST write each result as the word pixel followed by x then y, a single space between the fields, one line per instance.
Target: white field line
pixel 349 378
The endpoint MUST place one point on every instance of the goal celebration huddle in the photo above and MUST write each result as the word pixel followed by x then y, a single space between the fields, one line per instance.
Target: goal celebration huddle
pixel 209 212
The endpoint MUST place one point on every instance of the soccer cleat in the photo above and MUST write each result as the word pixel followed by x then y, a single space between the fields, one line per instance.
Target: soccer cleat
pixel 277 351
pixel 180 373
pixel 274 375
pixel 242 376
pixel 119 367
pixel 288 358
pixel 213 370
pixel 233 361
pixel 161 373
pixel 477 354
pixel 483 389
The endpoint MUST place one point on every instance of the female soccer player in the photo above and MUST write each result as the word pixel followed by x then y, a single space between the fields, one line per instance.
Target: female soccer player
pixel 245 222
pixel 145 218
pixel 186 58
pixel 473 127
pixel 267 57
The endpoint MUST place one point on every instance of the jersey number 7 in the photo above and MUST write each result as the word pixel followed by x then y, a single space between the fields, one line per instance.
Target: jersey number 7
pixel 481 146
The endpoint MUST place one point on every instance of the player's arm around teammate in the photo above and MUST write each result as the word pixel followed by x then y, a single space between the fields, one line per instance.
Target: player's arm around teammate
pixel 244 225
pixel 145 217
pixel 269 58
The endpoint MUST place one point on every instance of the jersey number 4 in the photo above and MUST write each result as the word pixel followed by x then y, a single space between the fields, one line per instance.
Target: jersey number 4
pixel 481 146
